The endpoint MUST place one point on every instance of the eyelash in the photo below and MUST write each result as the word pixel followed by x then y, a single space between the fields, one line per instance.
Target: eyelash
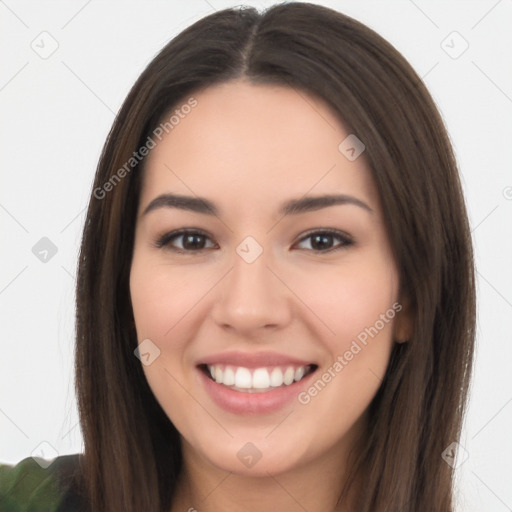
pixel 165 240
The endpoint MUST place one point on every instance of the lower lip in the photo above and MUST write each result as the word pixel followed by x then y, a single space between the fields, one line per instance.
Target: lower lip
pixel 239 402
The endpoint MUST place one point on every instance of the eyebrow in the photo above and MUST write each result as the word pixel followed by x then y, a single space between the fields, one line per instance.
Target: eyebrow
pixel 290 207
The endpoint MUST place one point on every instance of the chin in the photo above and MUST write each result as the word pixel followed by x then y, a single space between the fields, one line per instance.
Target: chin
pixel 253 456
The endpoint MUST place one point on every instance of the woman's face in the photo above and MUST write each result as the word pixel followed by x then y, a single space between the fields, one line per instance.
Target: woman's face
pixel 295 324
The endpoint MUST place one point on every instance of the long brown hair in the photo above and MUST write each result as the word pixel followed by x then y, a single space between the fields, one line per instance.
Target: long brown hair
pixel 132 451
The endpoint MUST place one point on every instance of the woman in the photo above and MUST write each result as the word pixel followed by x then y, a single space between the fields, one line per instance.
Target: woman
pixel 275 303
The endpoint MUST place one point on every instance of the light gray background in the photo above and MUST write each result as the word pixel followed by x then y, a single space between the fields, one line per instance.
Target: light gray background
pixel 56 113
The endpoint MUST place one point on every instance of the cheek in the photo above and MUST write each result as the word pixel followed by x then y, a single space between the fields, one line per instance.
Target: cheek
pixel 353 301
pixel 163 295
pixel 359 304
pixel 161 298
pixel 169 303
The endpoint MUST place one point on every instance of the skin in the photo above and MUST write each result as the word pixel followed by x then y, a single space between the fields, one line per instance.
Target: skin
pixel 249 148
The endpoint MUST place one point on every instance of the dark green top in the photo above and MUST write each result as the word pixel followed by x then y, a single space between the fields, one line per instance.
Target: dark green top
pixel 39 485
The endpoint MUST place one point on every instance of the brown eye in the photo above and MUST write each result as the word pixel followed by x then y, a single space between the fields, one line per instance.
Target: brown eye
pixel 322 241
pixel 189 241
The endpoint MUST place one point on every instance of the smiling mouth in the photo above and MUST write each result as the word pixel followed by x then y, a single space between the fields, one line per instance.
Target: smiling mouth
pixel 256 380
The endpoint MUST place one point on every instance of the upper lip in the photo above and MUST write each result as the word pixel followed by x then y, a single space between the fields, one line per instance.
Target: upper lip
pixel 253 360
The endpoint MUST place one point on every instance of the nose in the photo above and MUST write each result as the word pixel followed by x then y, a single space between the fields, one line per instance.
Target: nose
pixel 251 299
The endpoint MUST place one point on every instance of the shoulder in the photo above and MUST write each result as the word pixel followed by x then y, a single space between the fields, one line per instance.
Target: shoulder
pixel 42 485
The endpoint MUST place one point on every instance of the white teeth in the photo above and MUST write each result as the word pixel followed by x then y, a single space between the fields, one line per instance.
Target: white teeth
pixel 229 376
pixel 243 378
pixel 258 378
pixel 289 375
pixel 299 373
pixel 276 378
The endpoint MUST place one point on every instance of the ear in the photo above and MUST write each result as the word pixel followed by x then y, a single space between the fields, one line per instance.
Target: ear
pixel 404 321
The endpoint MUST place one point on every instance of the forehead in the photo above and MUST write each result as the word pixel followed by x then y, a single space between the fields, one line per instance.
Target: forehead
pixel 256 143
